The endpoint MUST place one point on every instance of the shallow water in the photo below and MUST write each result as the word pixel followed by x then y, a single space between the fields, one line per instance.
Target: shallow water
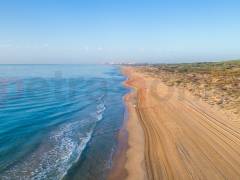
pixel 59 120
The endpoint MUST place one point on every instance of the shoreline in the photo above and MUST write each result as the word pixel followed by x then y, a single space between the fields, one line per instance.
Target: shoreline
pixel 135 164
pixel 118 170
pixel 128 161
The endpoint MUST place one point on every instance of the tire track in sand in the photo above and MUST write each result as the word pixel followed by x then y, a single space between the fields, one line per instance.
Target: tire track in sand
pixel 182 140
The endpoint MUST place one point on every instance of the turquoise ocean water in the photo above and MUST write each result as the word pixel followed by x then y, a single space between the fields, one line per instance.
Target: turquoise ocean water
pixel 59 121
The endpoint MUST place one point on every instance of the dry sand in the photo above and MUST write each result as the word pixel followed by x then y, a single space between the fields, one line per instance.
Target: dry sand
pixel 172 135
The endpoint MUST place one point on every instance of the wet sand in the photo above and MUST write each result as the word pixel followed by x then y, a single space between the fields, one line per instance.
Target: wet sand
pixel 174 135
pixel 135 165
pixel 118 170
pixel 128 161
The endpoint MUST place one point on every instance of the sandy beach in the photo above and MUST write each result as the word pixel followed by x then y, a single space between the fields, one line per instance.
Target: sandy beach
pixel 174 135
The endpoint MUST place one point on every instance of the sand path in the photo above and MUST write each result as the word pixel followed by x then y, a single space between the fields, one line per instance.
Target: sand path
pixel 184 138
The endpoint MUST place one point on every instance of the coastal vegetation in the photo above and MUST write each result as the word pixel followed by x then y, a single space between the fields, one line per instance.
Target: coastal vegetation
pixel 217 83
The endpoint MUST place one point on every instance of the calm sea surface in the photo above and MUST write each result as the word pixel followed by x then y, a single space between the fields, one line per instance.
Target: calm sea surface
pixel 59 121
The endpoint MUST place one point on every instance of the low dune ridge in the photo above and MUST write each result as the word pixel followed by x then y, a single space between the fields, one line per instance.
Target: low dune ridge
pixel 216 83
pixel 184 137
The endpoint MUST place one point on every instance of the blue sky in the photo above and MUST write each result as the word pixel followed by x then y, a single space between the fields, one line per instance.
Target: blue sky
pixel 96 31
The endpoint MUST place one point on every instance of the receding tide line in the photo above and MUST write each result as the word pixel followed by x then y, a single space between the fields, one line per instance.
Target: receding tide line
pixel 130 159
